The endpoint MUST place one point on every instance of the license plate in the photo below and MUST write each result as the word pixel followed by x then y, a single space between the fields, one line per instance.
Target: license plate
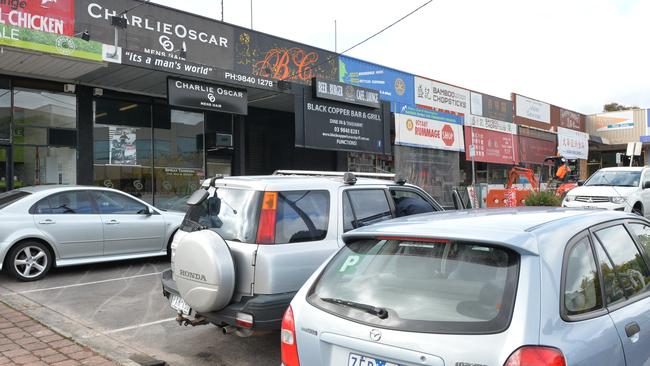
pixel 178 304
pixel 359 360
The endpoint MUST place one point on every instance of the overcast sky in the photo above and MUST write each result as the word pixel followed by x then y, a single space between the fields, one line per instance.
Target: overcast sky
pixel 577 54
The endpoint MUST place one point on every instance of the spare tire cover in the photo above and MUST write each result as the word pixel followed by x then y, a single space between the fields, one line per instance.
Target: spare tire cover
pixel 204 271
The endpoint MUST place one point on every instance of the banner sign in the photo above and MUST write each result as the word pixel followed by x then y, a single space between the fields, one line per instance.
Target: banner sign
pixel 123 147
pixel 534 151
pixel 572 144
pixel 211 97
pixel 430 114
pixel 614 121
pixel 533 109
pixel 431 94
pixel 272 57
pixel 337 126
pixel 345 93
pixel 571 120
pixel 394 86
pixel 491 146
pixel 45 26
pixel 491 124
pixel 427 133
pixel 158 31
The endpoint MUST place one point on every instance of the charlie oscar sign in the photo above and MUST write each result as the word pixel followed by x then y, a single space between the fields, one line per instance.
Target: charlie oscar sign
pixel 205 96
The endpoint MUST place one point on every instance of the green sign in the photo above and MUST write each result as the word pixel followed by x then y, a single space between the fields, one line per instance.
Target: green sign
pixel 50 42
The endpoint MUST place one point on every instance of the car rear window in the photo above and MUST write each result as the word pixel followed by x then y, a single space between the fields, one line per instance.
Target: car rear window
pixel 435 286
pixel 232 213
pixel 10 197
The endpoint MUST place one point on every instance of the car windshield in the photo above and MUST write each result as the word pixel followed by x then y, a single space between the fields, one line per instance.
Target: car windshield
pixel 626 178
pixel 436 286
pixel 10 197
pixel 232 213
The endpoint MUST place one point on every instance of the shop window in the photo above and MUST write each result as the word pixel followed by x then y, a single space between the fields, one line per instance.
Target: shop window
pixel 39 108
pixel 123 147
pixel 178 156
pixel 36 165
pixel 5 115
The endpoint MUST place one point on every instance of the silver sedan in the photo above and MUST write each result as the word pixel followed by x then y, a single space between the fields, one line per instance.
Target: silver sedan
pixel 47 226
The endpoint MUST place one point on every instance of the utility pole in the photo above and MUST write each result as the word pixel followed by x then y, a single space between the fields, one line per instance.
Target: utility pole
pixel 251 14
pixel 335 38
pixel 222 10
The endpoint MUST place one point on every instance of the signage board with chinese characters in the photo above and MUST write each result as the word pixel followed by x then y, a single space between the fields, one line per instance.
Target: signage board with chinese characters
pixel 434 95
pixel 491 146
pixel 534 151
pixel 422 132
pixel 571 120
pixel 491 124
pixel 329 125
pixel 211 97
pixel 394 86
pixel 532 109
pixel 491 107
pixel 345 93
pixel 572 144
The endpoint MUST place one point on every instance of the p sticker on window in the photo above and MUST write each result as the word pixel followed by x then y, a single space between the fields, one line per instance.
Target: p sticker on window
pixel 351 261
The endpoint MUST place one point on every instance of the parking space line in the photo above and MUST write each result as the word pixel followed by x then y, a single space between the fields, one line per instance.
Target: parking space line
pixel 112 331
pixel 80 284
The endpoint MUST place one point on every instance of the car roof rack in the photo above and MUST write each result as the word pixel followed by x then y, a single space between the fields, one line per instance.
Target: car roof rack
pixel 390 176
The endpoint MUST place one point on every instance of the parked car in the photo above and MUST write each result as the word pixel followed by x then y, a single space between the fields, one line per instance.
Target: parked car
pixel 503 287
pixel 620 189
pixel 46 226
pixel 248 243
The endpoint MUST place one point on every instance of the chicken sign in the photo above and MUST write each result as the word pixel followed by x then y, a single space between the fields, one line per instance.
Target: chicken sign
pixel 48 16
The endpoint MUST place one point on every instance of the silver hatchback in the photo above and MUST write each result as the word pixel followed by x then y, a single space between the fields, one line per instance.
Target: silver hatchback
pixel 517 287
pixel 47 226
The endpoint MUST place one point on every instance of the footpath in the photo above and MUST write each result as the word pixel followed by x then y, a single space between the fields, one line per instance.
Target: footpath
pixel 25 341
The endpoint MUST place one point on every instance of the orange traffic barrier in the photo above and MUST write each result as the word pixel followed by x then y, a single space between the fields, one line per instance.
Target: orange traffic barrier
pixel 506 197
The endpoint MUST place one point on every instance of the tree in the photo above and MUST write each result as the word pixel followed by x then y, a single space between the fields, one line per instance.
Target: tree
pixel 613 107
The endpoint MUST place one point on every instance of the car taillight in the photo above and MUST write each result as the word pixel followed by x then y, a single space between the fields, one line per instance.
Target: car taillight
pixel 266 225
pixel 536 356
pixel 288 344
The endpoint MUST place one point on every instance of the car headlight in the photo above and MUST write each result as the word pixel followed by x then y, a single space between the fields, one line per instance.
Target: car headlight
pixel 618 200
pixel 568 198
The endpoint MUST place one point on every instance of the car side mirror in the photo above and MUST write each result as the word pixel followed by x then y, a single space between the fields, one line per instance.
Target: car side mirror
pixel 581 183
pixel 146 211
pixel 646 184
pixel 198 197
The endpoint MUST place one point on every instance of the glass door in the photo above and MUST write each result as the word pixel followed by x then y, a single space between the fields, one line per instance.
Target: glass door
pixel 4 165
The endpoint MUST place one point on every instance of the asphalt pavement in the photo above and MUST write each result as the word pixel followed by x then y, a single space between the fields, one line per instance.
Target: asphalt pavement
pixel 117 309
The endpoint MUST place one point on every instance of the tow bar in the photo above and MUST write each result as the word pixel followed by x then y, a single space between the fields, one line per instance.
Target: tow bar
pixel 198 320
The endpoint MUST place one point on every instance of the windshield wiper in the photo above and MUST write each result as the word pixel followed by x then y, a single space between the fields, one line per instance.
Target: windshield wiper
pixel 381 313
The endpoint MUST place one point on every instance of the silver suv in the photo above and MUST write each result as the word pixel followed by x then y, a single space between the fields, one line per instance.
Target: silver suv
pixel 248 243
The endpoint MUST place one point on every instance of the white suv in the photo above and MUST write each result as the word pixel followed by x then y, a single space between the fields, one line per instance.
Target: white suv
pixel 620 189
pixel 248 243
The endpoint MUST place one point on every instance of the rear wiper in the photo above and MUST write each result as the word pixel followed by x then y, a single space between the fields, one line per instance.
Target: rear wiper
pixel 381 313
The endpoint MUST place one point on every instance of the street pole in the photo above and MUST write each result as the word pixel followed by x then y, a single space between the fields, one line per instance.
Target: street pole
pixel 222 10
pixel 335 38
pixel 251 14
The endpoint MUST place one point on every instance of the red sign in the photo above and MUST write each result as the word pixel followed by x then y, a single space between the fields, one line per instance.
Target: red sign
pixel 491 146
pixel 49 16
pixel 535 150
pixel 448 135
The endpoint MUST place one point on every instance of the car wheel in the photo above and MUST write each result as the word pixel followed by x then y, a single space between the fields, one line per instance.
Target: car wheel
pixel 29 261
pixel 637 210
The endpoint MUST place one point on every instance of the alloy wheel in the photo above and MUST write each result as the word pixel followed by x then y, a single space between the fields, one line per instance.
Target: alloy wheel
pixel 30 262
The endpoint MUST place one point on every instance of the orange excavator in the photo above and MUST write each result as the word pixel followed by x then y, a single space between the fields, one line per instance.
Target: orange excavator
pixel 563 178
pixel 510 197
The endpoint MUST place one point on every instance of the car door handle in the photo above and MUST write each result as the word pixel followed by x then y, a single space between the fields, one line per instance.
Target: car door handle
pixel 112 222
pixel 47 222
pixel 632 329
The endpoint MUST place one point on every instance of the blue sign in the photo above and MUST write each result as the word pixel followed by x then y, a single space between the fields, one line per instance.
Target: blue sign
pixel 394 86
pixel 429 114
pixel 647 111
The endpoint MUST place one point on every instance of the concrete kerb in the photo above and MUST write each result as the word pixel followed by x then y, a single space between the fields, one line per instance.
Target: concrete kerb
pixel 101 344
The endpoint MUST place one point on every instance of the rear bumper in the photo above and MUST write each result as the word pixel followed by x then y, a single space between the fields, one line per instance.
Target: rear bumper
pixel 267 310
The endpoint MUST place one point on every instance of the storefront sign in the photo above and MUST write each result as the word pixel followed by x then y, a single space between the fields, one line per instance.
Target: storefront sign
pixel 431 114
pixel 536 134
pixel 45 26
pixel 427 133
pixel 571 120
pixel 533 109
pixel 394 86
pixel 211 97
pixel 614 121
pixel 276 58
pixel 337 126
pixel 431 94
pixel 491 146
pixel 345 93
pixel 534 151
pixel 497 108
pixel 572 144
pixel 158 31
pixel 491 124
